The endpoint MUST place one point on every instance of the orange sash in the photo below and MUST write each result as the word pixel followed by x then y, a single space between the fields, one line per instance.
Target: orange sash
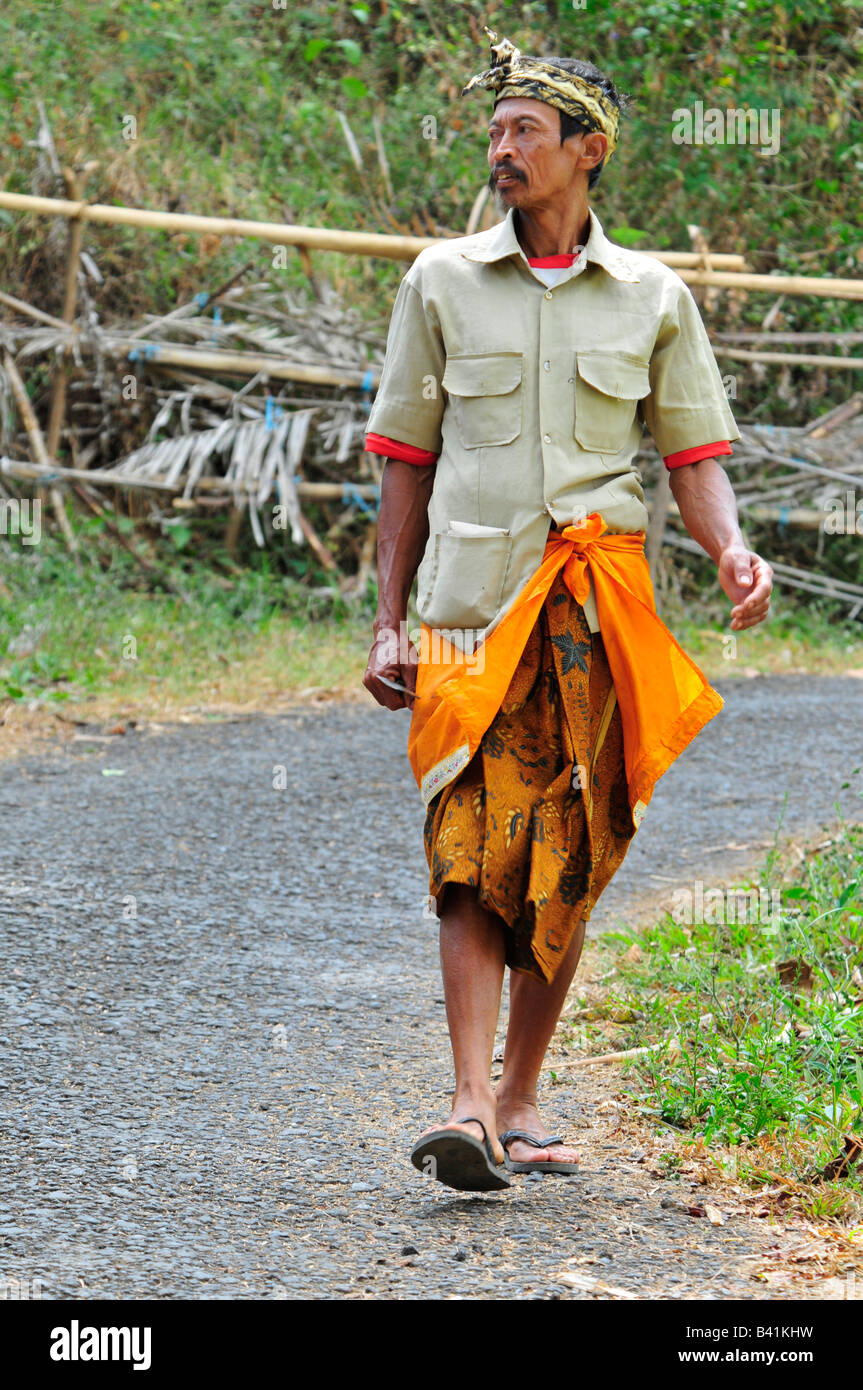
pixel 665 700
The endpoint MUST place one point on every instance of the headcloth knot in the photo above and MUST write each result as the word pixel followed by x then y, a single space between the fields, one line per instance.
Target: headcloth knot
pixel 513 74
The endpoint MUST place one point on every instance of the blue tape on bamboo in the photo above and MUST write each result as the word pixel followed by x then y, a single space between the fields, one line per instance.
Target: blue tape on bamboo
pixel 272 413
pixel 202 299
pixel 366 388
pixel 352 498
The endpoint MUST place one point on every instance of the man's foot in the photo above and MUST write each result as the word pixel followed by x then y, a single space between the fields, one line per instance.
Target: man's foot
pixel 455 1156
pixel 525 1116
pixel 485 1111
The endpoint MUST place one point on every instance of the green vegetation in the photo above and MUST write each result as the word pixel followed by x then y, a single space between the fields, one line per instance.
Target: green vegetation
pixel 692 603
pixel 276 625
pixel 103 636
pixel 230 107
pixel 750 1002
pixel 233 108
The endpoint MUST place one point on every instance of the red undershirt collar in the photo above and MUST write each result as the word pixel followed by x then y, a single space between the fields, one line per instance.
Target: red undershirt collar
pixel 566 258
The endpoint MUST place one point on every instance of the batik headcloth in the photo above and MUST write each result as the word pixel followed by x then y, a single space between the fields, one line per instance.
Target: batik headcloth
pixel 513 74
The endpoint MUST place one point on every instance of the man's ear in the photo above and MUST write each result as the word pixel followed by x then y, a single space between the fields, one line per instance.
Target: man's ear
pixel 594 147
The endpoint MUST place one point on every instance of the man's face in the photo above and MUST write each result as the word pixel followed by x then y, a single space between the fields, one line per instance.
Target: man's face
pixel 528 163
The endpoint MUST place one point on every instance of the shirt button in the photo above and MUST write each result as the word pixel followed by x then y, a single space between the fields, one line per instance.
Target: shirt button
pixel 547 366
pixel 548 294
pixel 546 439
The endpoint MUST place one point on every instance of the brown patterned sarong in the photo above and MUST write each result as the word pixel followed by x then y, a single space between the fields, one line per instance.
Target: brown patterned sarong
pixel 539 820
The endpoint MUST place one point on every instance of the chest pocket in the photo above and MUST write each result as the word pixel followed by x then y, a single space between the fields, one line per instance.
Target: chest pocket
pixel 608 387
pixel 486 397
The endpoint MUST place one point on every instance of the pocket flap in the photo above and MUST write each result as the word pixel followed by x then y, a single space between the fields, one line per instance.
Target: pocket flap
pixel 489 374
pixel 616 376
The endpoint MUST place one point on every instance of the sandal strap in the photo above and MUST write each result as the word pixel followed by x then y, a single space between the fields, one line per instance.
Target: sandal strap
pixel 474 1119
pixel 529 1139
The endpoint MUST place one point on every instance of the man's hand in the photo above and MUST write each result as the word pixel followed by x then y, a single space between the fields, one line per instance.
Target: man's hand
pixel 384 661
pixel 403 528
pixel 708 510
pixel 748 582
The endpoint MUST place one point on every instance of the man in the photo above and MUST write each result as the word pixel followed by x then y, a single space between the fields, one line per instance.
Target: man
pixel 522 363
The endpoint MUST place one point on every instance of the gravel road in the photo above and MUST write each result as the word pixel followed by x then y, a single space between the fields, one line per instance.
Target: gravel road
pixel 223 1024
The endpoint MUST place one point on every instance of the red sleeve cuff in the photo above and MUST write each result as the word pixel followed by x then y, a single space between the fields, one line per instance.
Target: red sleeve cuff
pixel 702 451
pixel 394 449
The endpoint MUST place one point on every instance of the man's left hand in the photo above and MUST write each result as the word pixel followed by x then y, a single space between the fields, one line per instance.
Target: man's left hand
pixel 748 582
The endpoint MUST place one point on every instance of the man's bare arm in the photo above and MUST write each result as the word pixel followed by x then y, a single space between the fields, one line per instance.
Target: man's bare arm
pixel 403 528
pixel 708 510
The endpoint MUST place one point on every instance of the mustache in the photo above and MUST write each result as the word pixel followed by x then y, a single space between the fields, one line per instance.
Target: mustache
pixel 504 169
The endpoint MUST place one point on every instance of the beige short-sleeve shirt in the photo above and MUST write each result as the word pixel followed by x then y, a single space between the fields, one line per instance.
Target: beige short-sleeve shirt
pixel 535 398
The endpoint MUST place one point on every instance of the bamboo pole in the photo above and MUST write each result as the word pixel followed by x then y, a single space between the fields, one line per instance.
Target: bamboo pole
pixel 24 308
pixel 232 529
pixel 324 555
pixel 839 415
pixel 804 518
pixel 216 489
pixel 476 211
pixel 803 466
pixel 37 442
pixel 27 471
pixel 824 286
pixel 382 158
pixel 243 363
pixel 74 180
pixel 405 248
pixel 168 354
pixel 802 359
pixel 840 338
pixel 395 248
pixel 795 578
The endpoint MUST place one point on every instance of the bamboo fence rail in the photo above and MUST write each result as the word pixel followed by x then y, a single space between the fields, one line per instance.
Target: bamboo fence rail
pixel 385 245
pixel 294 426
pixel 406 248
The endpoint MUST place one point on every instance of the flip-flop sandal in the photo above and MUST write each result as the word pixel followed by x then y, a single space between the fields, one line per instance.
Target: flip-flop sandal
pixel 458 1159
pixel 546 1166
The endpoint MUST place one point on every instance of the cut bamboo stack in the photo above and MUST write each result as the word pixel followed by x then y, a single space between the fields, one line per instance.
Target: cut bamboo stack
pixel 254 401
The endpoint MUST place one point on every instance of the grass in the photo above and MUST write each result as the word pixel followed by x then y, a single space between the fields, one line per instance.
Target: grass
pixel 100 638
pixel 94 638
pixel 817 640
pixel 230 107
pixel 750 1003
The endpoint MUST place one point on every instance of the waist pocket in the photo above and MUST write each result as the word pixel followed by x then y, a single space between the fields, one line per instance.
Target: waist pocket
pixel 608 387
pixel 466 582
pixel 486 397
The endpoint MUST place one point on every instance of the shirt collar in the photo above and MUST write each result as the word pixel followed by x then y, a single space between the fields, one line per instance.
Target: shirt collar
pixel 501 241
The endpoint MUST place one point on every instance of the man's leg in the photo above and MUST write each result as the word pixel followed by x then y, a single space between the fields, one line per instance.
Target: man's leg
pixel 534 1009
pixel 472 950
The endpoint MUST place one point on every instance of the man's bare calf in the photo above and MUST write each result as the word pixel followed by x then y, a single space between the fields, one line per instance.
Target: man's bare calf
pixel 472 945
